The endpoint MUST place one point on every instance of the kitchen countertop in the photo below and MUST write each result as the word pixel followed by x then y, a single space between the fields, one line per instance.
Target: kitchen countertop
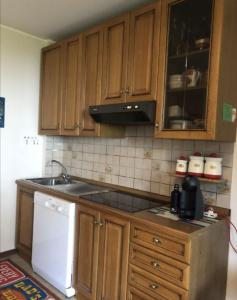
pixel 180 228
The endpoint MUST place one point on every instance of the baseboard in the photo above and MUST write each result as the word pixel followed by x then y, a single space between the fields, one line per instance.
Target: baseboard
pixel 8 253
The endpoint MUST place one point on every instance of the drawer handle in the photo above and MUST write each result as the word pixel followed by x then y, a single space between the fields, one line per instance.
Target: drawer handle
pixel 155 264
pixel 154 286
pixel 156 241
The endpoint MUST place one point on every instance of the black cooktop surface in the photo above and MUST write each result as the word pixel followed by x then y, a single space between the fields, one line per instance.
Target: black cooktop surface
pixel 122 201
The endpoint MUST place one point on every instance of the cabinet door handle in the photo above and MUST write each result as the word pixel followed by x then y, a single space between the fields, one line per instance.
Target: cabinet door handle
pixel 77 125
pixel 127 90
pixel 99 223
pixel 157 125
pixel 155 264
pixel 154 286
pixel 122 91
pixel 156 241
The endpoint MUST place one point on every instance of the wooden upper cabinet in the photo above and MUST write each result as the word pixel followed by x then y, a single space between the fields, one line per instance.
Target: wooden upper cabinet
pixel 90 79
pixel 113 264
pixel 115 55
pixel 196 72
pixel 143 53
pixel 87 252
pixel 72 50
pixel 51 89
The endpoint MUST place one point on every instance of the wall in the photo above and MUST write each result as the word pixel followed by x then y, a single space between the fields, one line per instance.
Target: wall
pixel 20 69
pixel 137 161
pixel 232 274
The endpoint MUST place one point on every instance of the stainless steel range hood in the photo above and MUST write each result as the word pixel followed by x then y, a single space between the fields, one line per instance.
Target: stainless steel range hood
pixel 133 113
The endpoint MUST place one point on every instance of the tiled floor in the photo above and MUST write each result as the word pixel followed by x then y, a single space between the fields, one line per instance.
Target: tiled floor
pixel 28 269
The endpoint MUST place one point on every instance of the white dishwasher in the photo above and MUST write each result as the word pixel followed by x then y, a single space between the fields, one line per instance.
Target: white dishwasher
pixel 53 241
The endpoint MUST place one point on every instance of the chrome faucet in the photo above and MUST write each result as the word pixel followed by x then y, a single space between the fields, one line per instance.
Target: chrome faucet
pixel 64 173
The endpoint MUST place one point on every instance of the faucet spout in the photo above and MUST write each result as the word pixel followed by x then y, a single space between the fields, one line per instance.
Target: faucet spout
pixel 64 174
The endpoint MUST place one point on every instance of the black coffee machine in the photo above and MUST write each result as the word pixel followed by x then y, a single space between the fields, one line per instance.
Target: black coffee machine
pixel 191 200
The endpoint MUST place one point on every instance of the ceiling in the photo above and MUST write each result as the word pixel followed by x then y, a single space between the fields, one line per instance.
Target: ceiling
pixel 57 19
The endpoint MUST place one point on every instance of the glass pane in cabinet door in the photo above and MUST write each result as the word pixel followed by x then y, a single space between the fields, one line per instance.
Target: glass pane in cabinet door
pixel 189 37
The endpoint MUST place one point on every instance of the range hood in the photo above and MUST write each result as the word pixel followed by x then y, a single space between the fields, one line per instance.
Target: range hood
pixel 133 113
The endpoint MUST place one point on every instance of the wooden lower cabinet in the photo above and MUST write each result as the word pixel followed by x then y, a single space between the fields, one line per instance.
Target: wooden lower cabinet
pixel 102 263
pixel 167 265
pixel 135 294
pixel 24 224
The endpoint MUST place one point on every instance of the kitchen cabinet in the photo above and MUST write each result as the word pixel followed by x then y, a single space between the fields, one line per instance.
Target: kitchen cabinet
pixel 87 252
pixel 24 223
pixel 115 59
pixel 166 265
pixel 51 89
pixel 143 53
pixel 135 256
pixel 102 260
pixel 71 82
pixel 91 79
pixel 196 70
pixel 130 57
pixel 71 85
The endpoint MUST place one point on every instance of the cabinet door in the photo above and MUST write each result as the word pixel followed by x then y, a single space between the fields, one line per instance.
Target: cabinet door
pixel 115 54
pixel 91 79
pixel 51 90
pixel 189 66
pixel 71 86
pixel 113 253
pixel 143 53
pixel 24 226
pixel 87 252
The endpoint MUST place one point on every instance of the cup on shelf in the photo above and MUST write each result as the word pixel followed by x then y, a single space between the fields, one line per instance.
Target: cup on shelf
pixel 192 77
pixel 176 81
pixel 174 111
pixel 202 43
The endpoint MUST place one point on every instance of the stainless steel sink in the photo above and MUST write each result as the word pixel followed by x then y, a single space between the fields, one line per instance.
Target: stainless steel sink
pixel 80 188
pixel 50 181
pixel 73 188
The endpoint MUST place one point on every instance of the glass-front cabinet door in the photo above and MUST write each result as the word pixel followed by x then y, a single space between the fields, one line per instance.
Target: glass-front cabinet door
pixel 186 60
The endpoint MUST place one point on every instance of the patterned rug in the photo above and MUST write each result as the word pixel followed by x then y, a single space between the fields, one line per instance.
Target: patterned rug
pixel 15 284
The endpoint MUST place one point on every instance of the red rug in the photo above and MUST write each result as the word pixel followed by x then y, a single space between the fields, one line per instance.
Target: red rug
pixel 15 284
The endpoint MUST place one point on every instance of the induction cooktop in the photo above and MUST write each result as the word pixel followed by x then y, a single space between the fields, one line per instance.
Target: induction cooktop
pixel 122 201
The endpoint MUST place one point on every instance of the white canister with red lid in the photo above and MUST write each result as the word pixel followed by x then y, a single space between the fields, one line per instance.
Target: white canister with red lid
pixel 196 165
pixel 213 167
pixel 181 166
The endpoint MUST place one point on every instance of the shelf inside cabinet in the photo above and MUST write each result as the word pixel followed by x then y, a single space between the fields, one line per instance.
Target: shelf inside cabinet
pixel 187 89
pixel 203 179
pixel 189 54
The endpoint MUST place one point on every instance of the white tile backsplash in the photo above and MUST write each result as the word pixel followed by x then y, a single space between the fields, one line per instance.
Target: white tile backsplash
pixel 137 161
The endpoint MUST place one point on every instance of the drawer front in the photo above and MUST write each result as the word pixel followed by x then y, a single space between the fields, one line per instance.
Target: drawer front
pixel 169 245
pixel 135 294
pixel 154 286
pixel 163 266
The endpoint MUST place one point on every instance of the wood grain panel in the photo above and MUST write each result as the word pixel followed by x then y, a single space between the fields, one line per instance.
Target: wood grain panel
pixel 87 252
pixel 115 60
pixel 155 286
pixel 143 53
pixel 24 223
pixel 114 257
pixel 51 89
pixel 160 265
pixel 72 80
pixel 91 78
pixel 163 243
